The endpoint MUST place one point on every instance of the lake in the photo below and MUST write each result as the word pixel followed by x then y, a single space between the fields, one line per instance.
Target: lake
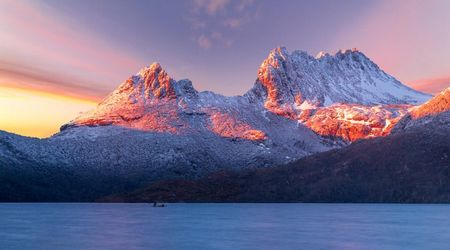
pixel 223 226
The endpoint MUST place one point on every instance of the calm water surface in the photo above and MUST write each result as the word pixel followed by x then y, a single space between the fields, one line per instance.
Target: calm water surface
pixel 224 226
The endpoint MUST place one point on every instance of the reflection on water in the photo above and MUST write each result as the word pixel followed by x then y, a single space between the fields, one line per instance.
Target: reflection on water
pixel 224 226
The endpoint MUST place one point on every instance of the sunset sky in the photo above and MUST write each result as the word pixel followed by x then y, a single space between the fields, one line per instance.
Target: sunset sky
pixel 58 58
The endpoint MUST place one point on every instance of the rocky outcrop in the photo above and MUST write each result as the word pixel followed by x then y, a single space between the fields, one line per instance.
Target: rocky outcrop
pixel 352 122
pixel 436 110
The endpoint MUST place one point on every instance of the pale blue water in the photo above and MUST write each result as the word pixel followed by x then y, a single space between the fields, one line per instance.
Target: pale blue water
pixel 224 226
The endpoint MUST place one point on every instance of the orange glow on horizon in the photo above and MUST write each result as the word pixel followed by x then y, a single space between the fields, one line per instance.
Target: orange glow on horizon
pixel 36 113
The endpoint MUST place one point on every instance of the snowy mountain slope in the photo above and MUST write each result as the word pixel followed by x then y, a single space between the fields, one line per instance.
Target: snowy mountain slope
pixel 153 127
pixel 288 82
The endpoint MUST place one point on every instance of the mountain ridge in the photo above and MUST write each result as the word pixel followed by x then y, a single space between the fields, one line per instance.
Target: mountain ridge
pixel 153 128
pixel 296 86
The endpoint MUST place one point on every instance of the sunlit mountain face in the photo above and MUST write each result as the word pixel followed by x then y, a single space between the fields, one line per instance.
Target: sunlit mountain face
pixel 435 111
pixel 440 103
pixel 344 96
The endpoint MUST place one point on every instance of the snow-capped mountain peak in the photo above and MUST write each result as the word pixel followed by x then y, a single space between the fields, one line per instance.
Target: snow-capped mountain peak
pixel 148 100
pixel 152 83
pixel 287 80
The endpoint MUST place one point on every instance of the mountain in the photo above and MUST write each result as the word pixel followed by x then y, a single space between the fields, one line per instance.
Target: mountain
pixel 153 127
pixel 411 165
pixel 288 83
pixel 149 100
pixel 344 95
pixel 153 102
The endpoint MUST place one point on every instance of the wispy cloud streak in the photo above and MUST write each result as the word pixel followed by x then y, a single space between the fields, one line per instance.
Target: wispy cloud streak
pixel 432 85
pixel 53 82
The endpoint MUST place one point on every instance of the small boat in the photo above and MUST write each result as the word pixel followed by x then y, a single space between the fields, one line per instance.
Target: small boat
pixel 155 204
